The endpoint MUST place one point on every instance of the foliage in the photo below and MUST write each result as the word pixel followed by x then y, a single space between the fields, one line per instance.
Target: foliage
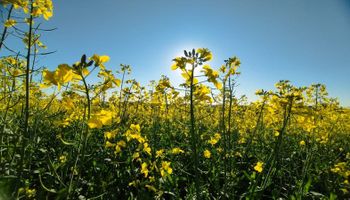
pixel 63 137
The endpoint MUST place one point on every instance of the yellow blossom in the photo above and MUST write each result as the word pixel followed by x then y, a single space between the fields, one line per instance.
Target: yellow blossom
pixel 144 169
pixel 135 156
pixel 10 22
pixel 259 166
pixel 109 144
pixel 110 134
pixel 207 153
pixel 63 159
pixel 277 133
pixel 146 148
pixel 176 151
pixel 100 60
pixel 159 153
pixel 166 169
pixel 100 118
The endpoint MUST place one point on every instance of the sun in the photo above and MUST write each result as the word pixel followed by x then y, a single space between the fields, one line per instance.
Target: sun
pixel 177 51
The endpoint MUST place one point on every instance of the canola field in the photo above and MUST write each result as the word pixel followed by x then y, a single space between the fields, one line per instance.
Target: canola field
pixel 66 137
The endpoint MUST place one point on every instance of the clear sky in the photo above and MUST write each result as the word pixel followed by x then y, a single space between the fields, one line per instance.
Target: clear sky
pixel 304 41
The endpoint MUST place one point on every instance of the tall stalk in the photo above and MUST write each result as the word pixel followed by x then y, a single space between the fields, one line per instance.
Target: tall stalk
pixel 223 131
pixel 27 86
pixel 25 135
pixel 193 133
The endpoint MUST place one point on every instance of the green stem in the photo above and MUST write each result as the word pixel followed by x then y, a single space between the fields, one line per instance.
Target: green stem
pixel 193 134
pixel 223 131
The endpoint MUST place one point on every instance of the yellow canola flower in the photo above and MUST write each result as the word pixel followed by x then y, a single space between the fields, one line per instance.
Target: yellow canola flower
pixel 17 4
pixel 118 148
pixel 174 66
pixel 214 140
pixel 135 128
pixel 202 92
pixel 110 134
pixel 100 60
pixel 44 8
pixel 205 54
pixel 180 62
pixel 109 144
pixel 109 77
pixel 177 150
pixel 146 148
pixel 63 74
pixel 207 153
pixel 159 153
pixel 10 22
pixel 259 166
pixel 277 133
pixel 166 169
pixel 63 158
pixel 135 156
pixel 302 143
pixel 121 143
pixel 30 193
pixel 187 76
pixel 212 76
pixel 144 169
pixel 101 118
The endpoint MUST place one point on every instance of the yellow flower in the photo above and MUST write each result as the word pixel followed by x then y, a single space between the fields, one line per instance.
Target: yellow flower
pixel 346 182
pixel 99 60
pixel 10 22
pixel 144 169
pixel 214 140
pixel 63 159
pixel 259 166
pixel 217 136
pixel 99 119
pixel 174 67
pixel 146 148
pixel 110 135
pixel 135 128
pixel 136 155
pixel 302 143
pixel 207 153
pixel 63 74
pixel 176 151
pixel 109 144
pixel 242 141
pixel 166 169
pixel 30 192
pixel 212 76
pixel 118 147
pixel 205 54
pixel 44 8
pixel 159 153
pixel 121 143
pixel 277 133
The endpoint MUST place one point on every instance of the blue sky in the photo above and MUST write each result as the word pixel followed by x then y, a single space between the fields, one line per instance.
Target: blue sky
pixel 302 41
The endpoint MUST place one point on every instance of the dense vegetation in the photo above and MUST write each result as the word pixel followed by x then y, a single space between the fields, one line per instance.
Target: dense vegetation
pixel 82 131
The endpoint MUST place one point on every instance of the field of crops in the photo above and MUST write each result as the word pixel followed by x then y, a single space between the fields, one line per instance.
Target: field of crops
pixel 66 137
